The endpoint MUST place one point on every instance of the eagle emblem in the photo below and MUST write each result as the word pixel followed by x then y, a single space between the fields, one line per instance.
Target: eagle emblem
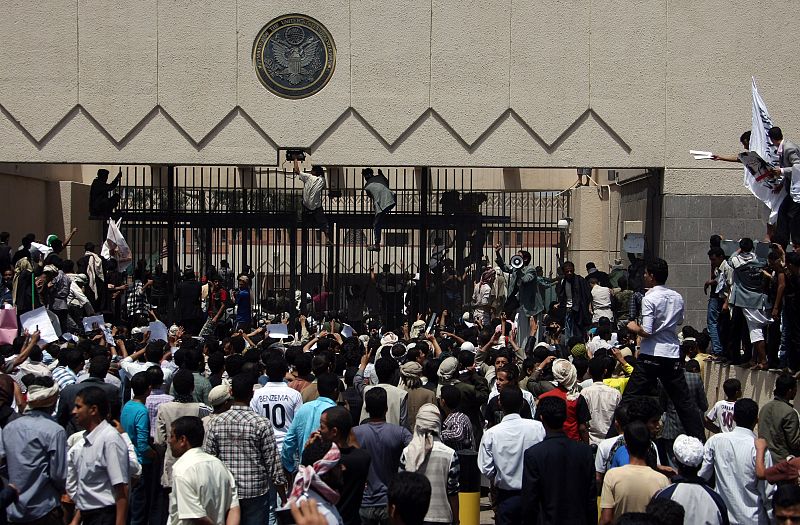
pixel 294 56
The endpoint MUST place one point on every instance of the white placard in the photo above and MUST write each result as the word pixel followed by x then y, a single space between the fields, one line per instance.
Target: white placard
pixel 278 331
pixel 158 331
pixel 39 320
pixel 633 243
pixel 107 335
pixel 88 323
pixel 347 330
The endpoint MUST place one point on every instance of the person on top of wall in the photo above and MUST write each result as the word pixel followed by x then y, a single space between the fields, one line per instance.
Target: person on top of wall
pixel 101 202
pixel 313 186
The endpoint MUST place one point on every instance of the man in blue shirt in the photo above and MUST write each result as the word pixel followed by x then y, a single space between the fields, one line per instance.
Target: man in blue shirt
pixel 306 420
pixel 385 443
pixel 136 422
pixel 36 455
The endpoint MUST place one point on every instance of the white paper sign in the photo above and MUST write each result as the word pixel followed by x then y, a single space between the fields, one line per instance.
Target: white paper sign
pixel 347 330
pixel 107 335
pixel 700 155
pixel 633 243
pixel 39 320
pixel 278 331
pixel 89 322
pixel 158 331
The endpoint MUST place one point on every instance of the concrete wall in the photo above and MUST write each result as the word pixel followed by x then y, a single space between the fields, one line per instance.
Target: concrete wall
pixel 35 204
pixel 426 82
pixel 693 210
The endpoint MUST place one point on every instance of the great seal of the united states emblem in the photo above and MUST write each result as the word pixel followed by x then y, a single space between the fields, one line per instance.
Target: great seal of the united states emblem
pixel 294 56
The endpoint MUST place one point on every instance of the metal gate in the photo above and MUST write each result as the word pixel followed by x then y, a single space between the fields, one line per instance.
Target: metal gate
pixel 198 217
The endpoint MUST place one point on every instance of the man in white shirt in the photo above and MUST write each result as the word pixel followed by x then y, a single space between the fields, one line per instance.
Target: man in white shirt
pixel 601 300
pixel 203 489
pixel 500 452
pixel 97 466
pixel 601 398
pixel 153 352
pixel 731 458
pixel 276 400
pixel 660 350
pixel 313 186
pixel 720 417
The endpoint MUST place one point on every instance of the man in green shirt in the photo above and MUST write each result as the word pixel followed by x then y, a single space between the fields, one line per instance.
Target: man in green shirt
pixel 778 422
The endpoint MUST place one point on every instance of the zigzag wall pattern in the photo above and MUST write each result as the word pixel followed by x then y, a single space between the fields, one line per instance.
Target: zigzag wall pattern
pixel 390 146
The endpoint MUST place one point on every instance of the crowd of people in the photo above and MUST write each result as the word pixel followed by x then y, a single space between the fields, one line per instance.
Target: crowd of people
pixel 578 399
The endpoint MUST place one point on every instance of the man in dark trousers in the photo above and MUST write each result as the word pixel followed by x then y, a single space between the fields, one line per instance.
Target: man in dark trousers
pixel 558 478
pixel 188 311
pixel 660 351
pixel 377 186
pixel 788 224
pixel 574 299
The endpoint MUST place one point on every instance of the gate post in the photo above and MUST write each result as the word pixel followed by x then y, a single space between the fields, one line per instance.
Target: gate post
pixel 171 252
pixel 424 189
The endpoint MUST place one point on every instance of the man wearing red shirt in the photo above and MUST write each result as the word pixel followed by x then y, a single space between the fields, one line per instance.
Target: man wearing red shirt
pixel 577 409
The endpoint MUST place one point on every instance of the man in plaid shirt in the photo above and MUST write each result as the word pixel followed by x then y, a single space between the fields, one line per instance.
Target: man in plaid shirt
pixel 245 442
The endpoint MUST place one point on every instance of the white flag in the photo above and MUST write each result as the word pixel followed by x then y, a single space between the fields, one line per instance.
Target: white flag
pixel 116 246
pixel 761 144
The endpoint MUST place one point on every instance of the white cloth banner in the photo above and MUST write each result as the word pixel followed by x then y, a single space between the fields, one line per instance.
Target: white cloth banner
pixel 760 186
pixel 116 246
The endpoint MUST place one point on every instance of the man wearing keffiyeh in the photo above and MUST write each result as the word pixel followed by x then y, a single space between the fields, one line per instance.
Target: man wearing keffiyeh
pixel 320 478
pixel 566 378
pixel 430 457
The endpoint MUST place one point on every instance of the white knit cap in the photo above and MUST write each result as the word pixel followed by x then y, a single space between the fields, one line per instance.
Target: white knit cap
pixel 688 450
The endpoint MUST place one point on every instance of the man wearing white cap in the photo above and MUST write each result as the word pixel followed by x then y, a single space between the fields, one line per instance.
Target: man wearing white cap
pixel 705 506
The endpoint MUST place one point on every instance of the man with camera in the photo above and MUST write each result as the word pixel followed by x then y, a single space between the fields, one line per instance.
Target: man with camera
pixel 522 289
pixel 313 186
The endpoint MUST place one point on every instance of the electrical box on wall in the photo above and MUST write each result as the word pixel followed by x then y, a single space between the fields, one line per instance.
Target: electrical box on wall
pixel 632 227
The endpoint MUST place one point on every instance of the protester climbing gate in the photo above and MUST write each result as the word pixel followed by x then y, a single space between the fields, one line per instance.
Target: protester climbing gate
pixel 197 217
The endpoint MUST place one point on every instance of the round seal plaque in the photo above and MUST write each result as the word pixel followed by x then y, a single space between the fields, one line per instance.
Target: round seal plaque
pixel 294 56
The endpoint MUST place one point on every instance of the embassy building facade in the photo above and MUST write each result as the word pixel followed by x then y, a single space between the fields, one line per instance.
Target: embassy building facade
pixel 519 95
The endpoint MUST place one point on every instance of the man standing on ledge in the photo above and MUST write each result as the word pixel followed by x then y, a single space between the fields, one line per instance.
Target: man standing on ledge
pixel 659 351
pixel 313 185
pixel 378 188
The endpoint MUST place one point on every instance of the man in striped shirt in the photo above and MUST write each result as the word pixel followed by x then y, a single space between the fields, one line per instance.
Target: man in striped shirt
pixel 70 363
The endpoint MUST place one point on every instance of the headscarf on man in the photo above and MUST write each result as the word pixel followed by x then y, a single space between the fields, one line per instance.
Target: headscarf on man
pixel 448 371
pixel 488 276
pixel 42 397
pixel 410 373
pixel 565 374
pixel 310 477
pixel 428 425
pixel 23 265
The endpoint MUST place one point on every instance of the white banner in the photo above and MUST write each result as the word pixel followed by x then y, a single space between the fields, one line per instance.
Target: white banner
pixel 116 246
pixel 760 143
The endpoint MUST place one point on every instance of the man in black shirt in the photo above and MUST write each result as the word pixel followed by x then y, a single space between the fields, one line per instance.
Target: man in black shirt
pixel 334 425
pixel 100 203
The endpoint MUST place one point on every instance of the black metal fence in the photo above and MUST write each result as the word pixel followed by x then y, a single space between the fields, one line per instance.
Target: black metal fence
pixel 251 217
